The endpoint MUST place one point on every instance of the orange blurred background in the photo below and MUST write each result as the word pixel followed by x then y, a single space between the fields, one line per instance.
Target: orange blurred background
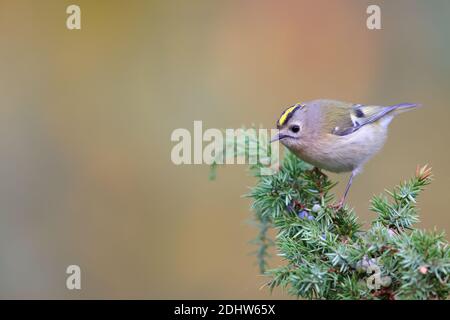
pixel 86 118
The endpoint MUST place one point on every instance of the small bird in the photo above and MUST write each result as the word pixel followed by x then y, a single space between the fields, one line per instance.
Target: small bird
pixel 336 136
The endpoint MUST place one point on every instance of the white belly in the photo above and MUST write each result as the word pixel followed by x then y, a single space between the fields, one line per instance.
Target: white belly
pixel 344 153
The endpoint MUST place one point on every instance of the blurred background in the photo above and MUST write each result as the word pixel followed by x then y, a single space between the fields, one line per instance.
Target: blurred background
pixel 86 117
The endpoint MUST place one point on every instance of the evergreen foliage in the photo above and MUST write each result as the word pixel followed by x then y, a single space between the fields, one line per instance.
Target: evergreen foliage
pixel 327 253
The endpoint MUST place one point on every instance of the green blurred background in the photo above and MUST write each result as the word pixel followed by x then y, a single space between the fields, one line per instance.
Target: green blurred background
pixel 86 118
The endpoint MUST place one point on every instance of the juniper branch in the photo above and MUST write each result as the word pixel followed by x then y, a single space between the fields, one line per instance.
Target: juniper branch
pixel 326 252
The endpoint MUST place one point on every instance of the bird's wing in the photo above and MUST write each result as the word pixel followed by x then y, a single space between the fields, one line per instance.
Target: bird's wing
pixel 359 115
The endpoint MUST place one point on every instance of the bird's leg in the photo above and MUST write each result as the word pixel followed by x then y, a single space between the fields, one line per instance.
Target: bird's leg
pixel 349 184
pixel 341 202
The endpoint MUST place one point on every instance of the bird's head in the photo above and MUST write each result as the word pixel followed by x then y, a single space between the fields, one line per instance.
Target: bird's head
pixel 290 126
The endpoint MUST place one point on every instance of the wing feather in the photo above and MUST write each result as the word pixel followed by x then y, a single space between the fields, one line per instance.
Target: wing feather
pixel 360 115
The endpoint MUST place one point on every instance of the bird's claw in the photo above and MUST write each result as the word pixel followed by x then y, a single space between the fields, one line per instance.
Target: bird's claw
pixel 337 205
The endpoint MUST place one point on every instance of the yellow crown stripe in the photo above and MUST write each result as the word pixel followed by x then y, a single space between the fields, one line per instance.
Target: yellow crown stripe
pixel 285 114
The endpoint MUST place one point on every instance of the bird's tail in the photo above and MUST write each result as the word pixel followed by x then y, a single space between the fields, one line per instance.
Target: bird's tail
pixel 403 107
pixel 388 113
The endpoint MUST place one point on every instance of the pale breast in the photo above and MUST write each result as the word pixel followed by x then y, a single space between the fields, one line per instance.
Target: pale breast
pixel 344 153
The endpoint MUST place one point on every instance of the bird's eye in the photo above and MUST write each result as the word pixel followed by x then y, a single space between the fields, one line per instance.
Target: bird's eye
pixel 295 129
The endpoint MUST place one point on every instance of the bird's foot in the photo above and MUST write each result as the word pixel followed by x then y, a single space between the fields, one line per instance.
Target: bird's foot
pixel 337 205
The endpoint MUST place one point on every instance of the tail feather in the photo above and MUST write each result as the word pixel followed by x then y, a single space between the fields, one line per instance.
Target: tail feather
pixel 402 107
pixel 387 113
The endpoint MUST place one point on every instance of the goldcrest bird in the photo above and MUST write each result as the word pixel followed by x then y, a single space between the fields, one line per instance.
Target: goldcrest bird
pixel 336 136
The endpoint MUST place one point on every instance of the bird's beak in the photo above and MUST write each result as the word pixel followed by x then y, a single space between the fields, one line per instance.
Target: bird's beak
pixel 277 137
